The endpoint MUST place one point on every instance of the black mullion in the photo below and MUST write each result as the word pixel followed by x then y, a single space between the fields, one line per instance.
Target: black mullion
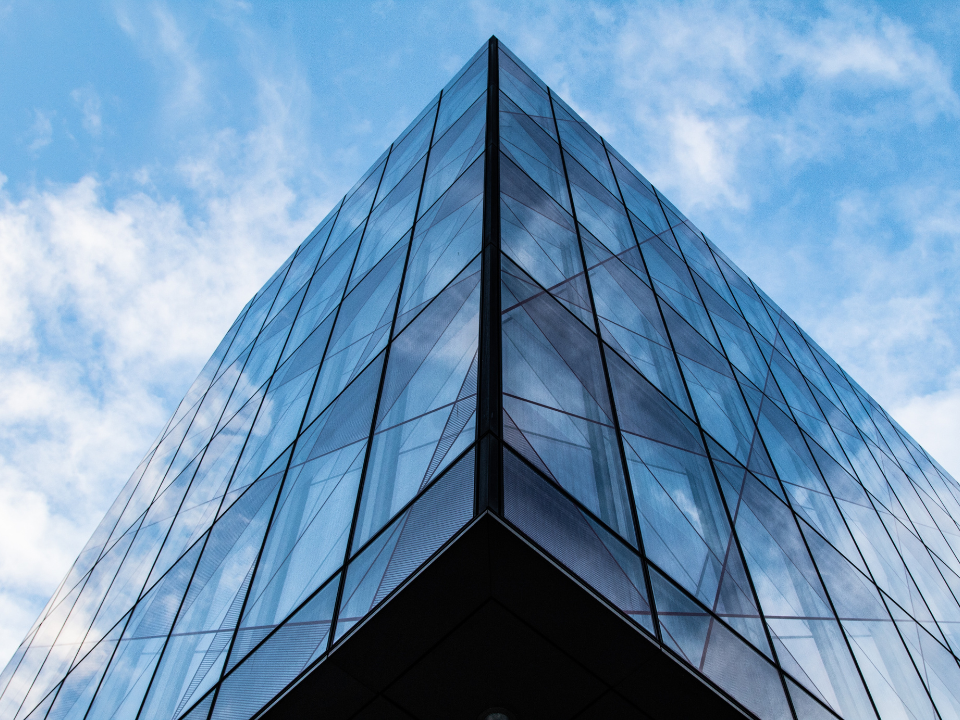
pixel 223 498
pixel 833 609
pixel 829 490
pixel 714 615
pixel 410 503
pixel 326 582
pixel 703 436
pixel 69 615
pixel 489 470
pixel 156 494
pixel 869 499
pixel 106 668
pixel 214 379
pixel 84 579
pixel 606 376
pixel 579 505
pixel 209 532
pixel 306 410
pixel 893 491
pixel 844 631
pixel 693 410
pixel 896 458
pixel 789 504
pixel 757 436
pixel 383 376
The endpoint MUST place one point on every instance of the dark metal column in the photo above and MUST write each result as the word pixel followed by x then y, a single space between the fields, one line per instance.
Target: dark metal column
pixel 489 400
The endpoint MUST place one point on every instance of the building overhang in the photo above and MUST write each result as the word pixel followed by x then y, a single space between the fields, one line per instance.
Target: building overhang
pixel 492 622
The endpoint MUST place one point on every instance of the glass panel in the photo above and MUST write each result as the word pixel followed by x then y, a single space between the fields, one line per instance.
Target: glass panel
pixel 541 238
pixel 389 225
pixel 525 144
pixel 361 329
pixel 631 323
pixel 324 293
pixel 131 670
pixel 706 644
pixel 409 541
pixel 462 91
pixel 585 547
pixel 599 210
pixel 556 406
pixel 805 706
pixel 584 145
pixel 526 92
pixel 200 639
pixel 455 151
pixel 408 151
pixel 446 239
pixel 427 402
pixel 937 667
pixel 639 197
pixel 716 396
pixel 685 531
pixel 307 541
pixel 355 209
pixel 807 638
pixel 290 649
pixel 675 286
pixel 74 696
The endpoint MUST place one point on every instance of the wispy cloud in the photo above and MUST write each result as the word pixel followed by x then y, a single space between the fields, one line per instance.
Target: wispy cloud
pixel 108 309
pixel 161 37
pixel 88 101
pixel 40 133
pixel 717 89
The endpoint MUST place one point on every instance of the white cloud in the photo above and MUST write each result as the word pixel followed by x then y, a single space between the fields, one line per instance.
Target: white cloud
pixel 934 420
pixel 88 101
pixel 108 309
pixel 40 133
pixel 382 8
pixel 160 36
pixel 708 94
pixel 892 316
pixel 115 308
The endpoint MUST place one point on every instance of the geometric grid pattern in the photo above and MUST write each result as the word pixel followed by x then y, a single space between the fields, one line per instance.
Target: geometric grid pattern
pixel 636 407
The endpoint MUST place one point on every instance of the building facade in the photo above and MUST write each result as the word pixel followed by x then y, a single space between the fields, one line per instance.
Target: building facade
pixel 507 434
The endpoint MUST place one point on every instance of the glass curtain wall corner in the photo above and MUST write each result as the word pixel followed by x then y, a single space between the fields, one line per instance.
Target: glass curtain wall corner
pixel 663 430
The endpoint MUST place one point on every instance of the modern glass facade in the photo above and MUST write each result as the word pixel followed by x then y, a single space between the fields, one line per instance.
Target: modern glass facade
pixel 504 316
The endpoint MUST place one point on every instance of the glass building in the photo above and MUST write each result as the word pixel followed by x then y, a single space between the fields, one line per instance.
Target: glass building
pixel 507 434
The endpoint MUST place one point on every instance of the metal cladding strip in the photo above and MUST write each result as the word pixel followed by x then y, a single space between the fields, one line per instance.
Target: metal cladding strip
pixel 489 381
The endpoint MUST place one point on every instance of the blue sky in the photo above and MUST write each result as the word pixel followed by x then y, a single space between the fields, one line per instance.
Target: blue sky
pixel 158 160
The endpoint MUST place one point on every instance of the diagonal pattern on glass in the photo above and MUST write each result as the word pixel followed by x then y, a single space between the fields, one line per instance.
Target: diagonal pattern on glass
pixel 427 402
pixel 706 644
pixel 554 393
pixel 539 236
pixel 447 238
pixel 444 508
pixel 578 541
